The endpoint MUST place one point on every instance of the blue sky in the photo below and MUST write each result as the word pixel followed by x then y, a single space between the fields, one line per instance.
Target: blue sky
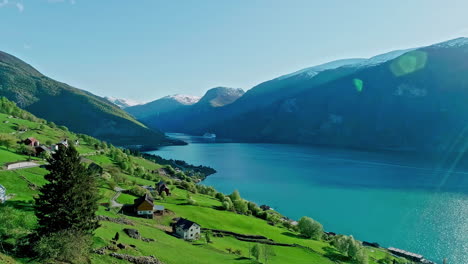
pixel 146 49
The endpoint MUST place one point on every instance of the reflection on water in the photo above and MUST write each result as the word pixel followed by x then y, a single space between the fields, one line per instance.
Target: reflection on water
pixel 392 199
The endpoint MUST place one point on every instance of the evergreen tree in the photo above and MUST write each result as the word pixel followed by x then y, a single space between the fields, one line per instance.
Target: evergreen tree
pixel 69 200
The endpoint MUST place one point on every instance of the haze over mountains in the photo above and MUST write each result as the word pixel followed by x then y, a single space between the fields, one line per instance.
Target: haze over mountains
pixel 411 99
pixel 77 109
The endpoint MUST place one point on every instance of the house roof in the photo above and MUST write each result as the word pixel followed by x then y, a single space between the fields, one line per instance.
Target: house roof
pixel 185 224
pixel 2 188
pixel 145 197
pixel 43 148
pixel 158 207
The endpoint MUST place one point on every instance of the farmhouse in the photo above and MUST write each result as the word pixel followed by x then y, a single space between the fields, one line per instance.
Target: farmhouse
pixel 162 187
pixel 41 149
pixel 63 143
pixel 2 194
pixel 144 205
pixel 31 142
pixel 186 229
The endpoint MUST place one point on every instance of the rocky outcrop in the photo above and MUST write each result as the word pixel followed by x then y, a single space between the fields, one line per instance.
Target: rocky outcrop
pixel 133 233
pixel 122 221
pixel 137 260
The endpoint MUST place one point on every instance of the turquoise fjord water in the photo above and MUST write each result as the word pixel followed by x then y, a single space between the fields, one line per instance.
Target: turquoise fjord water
pixel 391 199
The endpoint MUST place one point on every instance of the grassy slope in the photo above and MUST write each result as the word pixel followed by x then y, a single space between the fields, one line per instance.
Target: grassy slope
pixel 167 248
pixel 79 110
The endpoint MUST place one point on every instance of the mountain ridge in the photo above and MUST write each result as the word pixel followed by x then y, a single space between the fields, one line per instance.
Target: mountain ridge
pixel 77 109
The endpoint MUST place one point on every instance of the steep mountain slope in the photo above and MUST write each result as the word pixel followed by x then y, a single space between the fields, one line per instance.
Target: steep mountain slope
pixel 416 101
pixel 65 105
pixel 178 117
pixel 270 91
pixel 162 105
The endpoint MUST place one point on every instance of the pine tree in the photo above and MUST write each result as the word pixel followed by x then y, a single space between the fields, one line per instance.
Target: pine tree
pixel 69 200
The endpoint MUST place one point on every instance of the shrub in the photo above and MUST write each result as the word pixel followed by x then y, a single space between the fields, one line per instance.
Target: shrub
pixel 241 206
pixel 137 191
pixel 219 196
pixel 310 228
pixel 7 140
pixel 235 195
pixel 66 246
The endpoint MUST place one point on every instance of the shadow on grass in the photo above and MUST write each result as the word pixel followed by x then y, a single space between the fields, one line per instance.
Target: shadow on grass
pixel 333 255
pixel 243 258
pixel 20 205
pixel 289 234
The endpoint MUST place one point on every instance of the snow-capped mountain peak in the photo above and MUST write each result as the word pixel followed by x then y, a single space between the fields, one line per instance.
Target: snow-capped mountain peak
pixel 379 59
pixel 122 102
pixel 312 71
pixel 184 99
pixel 458 42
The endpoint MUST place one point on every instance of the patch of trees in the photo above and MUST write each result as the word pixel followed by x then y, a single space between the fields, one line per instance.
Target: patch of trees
pixel 10 108
pixel 310 228
pixel 200 171
pixel 66 210
pixel 351 248
pixel 262 252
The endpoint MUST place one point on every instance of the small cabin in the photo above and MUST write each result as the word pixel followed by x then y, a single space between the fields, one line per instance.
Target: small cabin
pixel 162 187
pixel 2 194
pixel 31 142
pixel 41 149
pixel 187 229
pixel 63 143
pixel 144 205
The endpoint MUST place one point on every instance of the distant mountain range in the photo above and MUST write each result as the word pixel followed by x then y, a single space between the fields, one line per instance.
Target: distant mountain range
pixel 121 102
pixel 77 109
pixel 162 105
pixel 173 113
pixel 411 99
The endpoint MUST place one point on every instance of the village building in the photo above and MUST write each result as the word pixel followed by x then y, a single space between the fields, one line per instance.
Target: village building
pixel 41 149
pixel 162 187
pixel 63 143
pixel 31 142
pixel 186 229
pixel 144 205
pixel 2 194
pixel 158 209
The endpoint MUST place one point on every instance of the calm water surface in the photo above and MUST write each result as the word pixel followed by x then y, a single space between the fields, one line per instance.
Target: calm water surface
pixel 391 199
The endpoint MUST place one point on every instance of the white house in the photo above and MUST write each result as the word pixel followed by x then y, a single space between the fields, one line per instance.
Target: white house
pixel 2 194
pixel 187 229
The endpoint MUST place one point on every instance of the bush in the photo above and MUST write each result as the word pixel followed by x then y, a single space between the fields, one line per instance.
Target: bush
pixel 219 196
pixel 241 206
pixel 310 228
pixel 235 195
pixel 7 140
pixel 15 225
pixel 137 191
pixel 66 246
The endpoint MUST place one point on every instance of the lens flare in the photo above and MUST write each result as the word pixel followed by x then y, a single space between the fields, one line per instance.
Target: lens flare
pixel 359 84
pixel 409 63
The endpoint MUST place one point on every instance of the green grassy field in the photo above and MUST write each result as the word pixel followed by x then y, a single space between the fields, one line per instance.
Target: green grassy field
pixel 22 186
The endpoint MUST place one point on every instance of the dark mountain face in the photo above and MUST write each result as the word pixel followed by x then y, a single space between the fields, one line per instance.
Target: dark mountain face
pixel 414 102
pixel 179 117
pixel 155 108
pixel 79 110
